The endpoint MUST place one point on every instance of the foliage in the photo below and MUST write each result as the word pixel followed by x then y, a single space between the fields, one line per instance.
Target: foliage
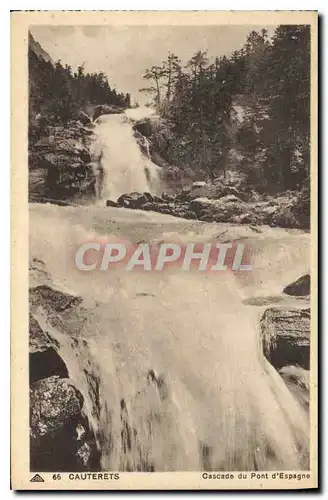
pixel 58 94
pixel 269 81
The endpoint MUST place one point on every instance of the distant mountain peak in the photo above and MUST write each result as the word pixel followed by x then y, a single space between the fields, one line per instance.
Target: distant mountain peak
pixel 38 50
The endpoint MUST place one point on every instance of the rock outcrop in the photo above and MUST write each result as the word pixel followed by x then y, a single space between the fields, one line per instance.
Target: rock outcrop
pixel 61 437
pixel 60 164
pixel 105 109
pixel 286 336
pixel 217 202
pixel 300 287
pixel 134 200
pixel 158 132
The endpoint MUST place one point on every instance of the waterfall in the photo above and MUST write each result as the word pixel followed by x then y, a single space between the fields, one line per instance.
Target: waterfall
pixel 182 383
pixel 125 167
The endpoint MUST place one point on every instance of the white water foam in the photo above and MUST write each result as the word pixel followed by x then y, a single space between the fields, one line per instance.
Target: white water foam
pixel 125 167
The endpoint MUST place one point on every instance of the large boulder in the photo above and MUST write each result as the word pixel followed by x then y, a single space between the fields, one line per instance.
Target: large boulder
pixel 300 287
pixel 152 125
pixel 159 133
pixel 60 436
pixel 134 200
pixel 54 400
pixel 221 210
pixel 106 109
pixel 284 210
pixel 285 336
pixel 111 203
pixel 204 206
pixel 199 190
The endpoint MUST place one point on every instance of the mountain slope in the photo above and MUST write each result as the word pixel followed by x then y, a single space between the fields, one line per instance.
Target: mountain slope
pixel 36 48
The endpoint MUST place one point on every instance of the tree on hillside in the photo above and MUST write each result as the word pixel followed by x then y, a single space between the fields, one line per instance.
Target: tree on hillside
pixel 58 94
pixel 288 93
pixel 172 68
pixel 269 79
pixel 155 75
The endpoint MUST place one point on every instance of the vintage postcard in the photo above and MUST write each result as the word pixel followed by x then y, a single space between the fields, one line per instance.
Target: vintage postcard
pixel 164 250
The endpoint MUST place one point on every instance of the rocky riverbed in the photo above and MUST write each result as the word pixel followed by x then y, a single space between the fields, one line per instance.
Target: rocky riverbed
pixel 219 202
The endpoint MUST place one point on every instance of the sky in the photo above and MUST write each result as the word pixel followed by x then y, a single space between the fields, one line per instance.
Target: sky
pixel 124 52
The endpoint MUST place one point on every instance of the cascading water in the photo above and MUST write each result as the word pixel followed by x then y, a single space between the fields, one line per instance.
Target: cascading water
pixel 171 380
pixel 125 167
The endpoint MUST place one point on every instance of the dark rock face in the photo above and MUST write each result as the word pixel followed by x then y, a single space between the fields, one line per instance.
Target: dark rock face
pixel 38 340
pixel 223 209
pixel 111 203
pixel 60 435
pixel 44 360
pixel 143 143
pixel 159 134
pixel 300 287
pixel 60 439
pixel 134 200
pixel 60 163
pixel 56 300
pixel 211 191
pixel 53 401
pixel 44 364
pixel 164 205
pixel 286 337
pixel 105 109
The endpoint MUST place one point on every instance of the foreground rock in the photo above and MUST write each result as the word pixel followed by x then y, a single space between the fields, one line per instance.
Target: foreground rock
pixel 53 401
pixel 61 438
pixel 286 337
pixel 134 200
pixel 286 341
pixel 105 109
pixel 58 430
pixel 299 288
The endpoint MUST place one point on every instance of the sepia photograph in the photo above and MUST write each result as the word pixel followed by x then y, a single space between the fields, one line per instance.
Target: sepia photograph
pixel 170 221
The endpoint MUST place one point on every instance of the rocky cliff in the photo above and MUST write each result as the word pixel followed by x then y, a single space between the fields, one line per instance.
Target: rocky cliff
pixel 60 164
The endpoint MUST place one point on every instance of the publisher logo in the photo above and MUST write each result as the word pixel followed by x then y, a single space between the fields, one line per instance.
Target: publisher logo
pixel 37 479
